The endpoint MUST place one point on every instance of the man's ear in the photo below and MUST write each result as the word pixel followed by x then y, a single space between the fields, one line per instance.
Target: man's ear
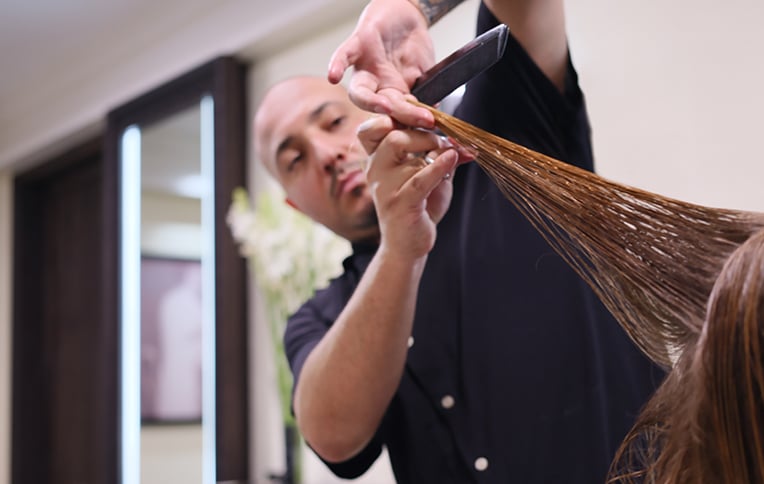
pixel 292 204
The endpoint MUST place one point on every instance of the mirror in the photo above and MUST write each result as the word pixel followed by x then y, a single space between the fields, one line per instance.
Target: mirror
pixel 179 152
pixel 176 316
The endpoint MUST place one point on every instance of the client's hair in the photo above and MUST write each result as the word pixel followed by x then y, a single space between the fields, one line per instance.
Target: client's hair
pixel 656 262
pixel 706 422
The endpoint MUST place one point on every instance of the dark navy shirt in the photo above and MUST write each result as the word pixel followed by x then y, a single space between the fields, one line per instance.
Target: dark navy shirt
pixel 517 372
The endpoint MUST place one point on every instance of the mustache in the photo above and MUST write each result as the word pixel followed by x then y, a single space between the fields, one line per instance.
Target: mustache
pixel 340 169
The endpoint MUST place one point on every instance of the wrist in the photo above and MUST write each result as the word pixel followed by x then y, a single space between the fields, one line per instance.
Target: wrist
pixel 401 261
pixel 434 10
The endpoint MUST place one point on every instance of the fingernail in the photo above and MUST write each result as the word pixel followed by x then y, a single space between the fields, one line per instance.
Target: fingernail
pixel 444 142
pixel 425 123
pixel 365 125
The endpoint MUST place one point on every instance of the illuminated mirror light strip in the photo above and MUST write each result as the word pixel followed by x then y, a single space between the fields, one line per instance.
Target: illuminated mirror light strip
pixel 208 290
pixel 130 308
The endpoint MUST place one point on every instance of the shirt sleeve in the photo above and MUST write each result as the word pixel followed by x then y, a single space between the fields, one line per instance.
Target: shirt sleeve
pixel 525 105
pixel 305 329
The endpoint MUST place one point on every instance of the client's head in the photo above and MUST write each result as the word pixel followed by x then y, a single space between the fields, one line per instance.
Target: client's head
pixel 729 360
pixel 705 424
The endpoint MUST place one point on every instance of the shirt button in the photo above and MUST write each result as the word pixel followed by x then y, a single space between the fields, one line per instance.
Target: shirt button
pixel 411 341
pixel 481 464
pixel 447 401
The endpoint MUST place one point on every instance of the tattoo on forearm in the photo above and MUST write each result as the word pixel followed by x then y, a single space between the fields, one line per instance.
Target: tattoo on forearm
pixel 434 10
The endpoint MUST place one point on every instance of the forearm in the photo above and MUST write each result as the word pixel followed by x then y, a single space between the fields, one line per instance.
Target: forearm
pixel 539 26
pixel 350 377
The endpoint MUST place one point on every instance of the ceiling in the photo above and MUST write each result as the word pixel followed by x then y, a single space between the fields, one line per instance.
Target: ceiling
pixel 94 53
pixel 36 37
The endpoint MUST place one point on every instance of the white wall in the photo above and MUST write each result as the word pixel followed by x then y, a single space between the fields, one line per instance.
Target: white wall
pixel 6 222
pixel 674 91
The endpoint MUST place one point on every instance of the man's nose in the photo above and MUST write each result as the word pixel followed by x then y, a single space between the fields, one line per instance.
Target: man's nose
pixel 332 156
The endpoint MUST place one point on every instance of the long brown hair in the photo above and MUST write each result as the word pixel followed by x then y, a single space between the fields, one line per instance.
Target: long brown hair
pixel 706 422
pixel 656 262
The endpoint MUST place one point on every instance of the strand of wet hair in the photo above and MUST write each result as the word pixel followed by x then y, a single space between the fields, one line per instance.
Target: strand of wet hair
pixel 651 259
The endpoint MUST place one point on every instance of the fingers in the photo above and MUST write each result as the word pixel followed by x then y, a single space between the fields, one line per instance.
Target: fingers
pixel 409 174
pixel 423 186
pixel 412 160
pixel 372 131
pixel 439 197
pixel 465 154
pixel 343 57
pixel 363 91
pixel 409 114
pixel 432 175
pixel 367 91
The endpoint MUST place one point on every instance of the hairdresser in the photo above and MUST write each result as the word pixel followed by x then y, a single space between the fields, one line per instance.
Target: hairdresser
pixel 455 337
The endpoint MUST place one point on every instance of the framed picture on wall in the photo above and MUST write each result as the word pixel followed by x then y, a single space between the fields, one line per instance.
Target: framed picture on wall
pixel 171 340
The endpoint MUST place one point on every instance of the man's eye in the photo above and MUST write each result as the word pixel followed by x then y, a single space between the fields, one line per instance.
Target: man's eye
pixel 337 121
pixel 293 163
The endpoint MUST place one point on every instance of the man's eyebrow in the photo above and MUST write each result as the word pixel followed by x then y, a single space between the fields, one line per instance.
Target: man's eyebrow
pixel 312 117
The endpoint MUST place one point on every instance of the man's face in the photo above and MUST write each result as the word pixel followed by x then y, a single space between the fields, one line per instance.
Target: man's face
pixel 305 134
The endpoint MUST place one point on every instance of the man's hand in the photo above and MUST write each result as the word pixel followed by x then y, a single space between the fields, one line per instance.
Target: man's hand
pixel 409 174
pixel 389 49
